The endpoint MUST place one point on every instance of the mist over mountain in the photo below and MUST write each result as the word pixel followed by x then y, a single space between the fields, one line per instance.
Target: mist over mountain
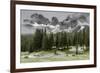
pixel 72 23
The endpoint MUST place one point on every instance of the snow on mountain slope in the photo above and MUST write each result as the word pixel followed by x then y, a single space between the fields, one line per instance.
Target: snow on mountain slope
pixel 57 28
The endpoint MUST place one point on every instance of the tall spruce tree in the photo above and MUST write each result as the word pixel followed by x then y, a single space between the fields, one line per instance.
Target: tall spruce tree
pixel 57 40
pixel 67 40
pixel 76 38
pixel 56 43
pixel 64 40
pixel 24 43
pixel 45 41
pixel 37 40
pixel 50 41
pixel 84 39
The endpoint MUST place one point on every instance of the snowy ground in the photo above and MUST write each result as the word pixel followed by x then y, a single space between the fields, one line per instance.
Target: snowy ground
pixel 47 56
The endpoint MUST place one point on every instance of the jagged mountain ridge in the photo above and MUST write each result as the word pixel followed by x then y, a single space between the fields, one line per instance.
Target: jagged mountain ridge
pixel 70 24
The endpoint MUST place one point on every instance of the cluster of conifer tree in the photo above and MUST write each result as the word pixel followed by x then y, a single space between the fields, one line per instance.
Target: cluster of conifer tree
pixel 42 40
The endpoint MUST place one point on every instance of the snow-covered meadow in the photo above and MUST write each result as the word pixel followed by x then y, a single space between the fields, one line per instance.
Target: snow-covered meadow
pixel 47 56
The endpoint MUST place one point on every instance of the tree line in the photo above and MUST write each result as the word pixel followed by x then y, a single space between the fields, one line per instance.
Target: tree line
pixel 42 40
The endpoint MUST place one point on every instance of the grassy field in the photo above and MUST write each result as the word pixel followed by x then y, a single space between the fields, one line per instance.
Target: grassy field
pixel 48 56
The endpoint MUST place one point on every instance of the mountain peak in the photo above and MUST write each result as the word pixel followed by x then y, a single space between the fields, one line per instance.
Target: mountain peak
pixel 39 18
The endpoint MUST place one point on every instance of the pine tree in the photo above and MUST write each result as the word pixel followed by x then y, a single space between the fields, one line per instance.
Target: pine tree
pixel 64 40
pixel 37 40
pixel 80 41
pixel 76 38
pixel 25 43
pixel 45 41
pixel 84 39
pixel 50 41
pixel 57 40
pixel 56 43
pixel 67 40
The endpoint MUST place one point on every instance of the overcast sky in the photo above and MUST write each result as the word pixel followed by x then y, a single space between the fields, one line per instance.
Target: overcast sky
pixel 25 14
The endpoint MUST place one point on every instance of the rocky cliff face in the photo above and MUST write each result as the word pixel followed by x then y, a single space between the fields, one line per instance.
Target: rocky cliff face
pixel 38 18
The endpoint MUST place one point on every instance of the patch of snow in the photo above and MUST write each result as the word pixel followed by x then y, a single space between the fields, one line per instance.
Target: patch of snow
pixel 74 49
pixel 82 27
